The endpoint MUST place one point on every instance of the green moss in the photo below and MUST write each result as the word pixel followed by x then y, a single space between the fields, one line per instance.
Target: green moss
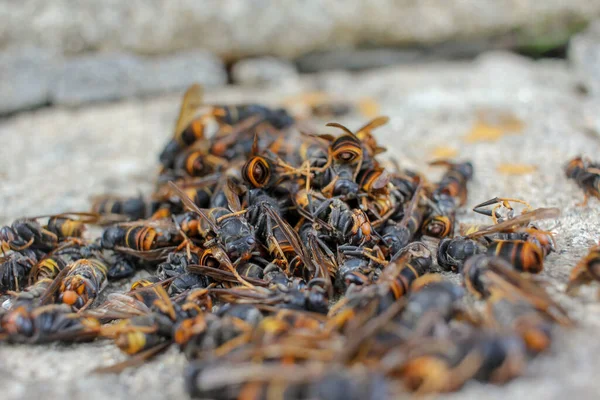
pixel 547 37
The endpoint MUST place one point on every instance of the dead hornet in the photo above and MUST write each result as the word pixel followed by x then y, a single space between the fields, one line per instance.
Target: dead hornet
pixel 587 176
pixel 502 209
pixel 246 312
pixel 277 198
pixel 29 296
pixel 323 258
pixel 586 271
pixel 251 270
pixel 311 296
pixel 450 194
pixel 214 266
pixel 198 162
pixel 137 302
pixel 235 136
pixel 121 266
pixel 365 135
pixel 528 232
pixel 284 244
pixel 430 297
pixel 485 276
pixel 29 265
pixel 404 187
pixel 223 227
pixel 132 207
pixel 176 268
pixel 83 281
pixel 375 189
pixel 313 153
pixel 347 225
pixel 151 326
pixel 68 226
pixel 347 155
pixel 520 316
pixel 142 333
pixel 200 190
pixel 357 266
pixel 265 187
pixel 260 170
pixel 47 268
pixel 287 335
pixel 15 269
pixel 149 240
pixel 398 276
pixel 69 251
pixel 404 183
pixel 357 150
pixel 446 365
pixel 208 335
pixel 397 235
pixel 46 324
pixel 386 287
pixel 431 302
pixel 187 130
pixel 24 234
pixel 298 295
pixel 148 322
pixel 452 253
pixel 336 175
pixel 526 253
pixel 191 127
pixel 314 380
pixel 64 226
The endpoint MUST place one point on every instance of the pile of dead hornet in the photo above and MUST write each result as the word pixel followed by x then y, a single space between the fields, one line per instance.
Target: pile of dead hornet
pixel 285 263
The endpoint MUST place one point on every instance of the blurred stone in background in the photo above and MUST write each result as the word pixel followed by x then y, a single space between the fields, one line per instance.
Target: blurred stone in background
pixel 357 59
pixel 34 77
pixel 584 55
pixel 262 71
pixel 112 76
pixel 239 28
pixel 25 78
pixel 61 52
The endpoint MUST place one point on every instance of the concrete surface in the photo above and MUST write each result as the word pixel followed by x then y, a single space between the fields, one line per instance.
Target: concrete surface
pixel 53 159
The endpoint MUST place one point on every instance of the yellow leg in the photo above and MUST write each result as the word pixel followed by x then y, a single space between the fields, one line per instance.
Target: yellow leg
pixel 584 203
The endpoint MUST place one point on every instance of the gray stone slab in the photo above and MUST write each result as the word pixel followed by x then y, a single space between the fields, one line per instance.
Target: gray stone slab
pixel 176 72
pixel 584 55
pixel 25 78
pixel 263 71
pixel 278 27
pixel 356 60
pixel 97 77
pixel 112 76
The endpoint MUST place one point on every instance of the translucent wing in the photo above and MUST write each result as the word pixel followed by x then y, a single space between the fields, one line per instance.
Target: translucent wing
pixel 192 100
pixel 517 222
pixel 374 123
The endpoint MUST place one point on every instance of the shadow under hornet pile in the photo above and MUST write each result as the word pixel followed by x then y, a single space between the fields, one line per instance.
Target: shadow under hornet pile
pixel 256 225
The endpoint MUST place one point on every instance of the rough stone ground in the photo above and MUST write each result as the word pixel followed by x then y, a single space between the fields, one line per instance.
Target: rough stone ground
pixel 52 160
